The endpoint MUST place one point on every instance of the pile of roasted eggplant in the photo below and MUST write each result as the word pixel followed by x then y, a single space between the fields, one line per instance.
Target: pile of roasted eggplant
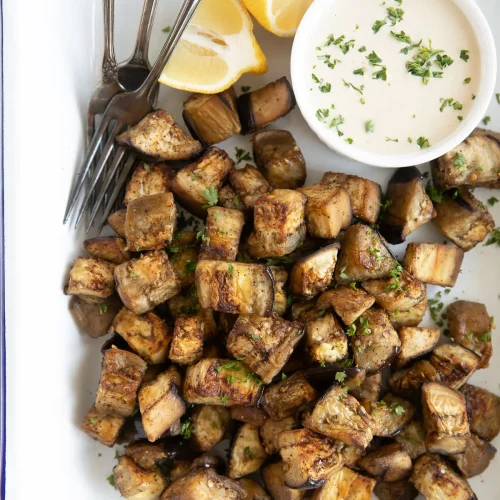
pixel 284 322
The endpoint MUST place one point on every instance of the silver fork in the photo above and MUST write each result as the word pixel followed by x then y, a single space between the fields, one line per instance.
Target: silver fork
pixel 125 109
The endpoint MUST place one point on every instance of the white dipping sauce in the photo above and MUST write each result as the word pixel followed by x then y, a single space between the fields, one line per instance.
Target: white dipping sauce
pixel 389 117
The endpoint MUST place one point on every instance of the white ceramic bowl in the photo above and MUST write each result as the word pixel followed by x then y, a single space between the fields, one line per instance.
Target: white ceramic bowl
pixel 306 31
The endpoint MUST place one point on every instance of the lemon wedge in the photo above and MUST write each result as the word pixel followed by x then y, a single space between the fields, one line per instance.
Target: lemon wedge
pixel 281 17
pixel 217 47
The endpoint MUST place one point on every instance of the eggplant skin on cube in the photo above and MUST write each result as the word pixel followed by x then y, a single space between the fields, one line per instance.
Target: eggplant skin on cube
pixel 246 454
pixel 390 462
pixel 249 415
pixel 408 381
pixel 273 475
pixel 476 457
pixel 346 484
pixel 116 222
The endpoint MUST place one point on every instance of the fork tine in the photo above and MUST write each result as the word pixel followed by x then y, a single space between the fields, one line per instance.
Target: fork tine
pixel 91 121
pixel 89 157
pixel 98 171
pixel 109 175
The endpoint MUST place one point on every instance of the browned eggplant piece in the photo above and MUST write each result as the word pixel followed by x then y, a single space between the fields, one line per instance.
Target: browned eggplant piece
pixel 253 489
pixel 409 381
pixel 375 343
pixel 235 288
pixel 187 340
pixel 271 429
pixel 411 317
pixel 445 419
pixel 146 282
pixel 197 185
pixel 247 453
pixel 339 416
pixel 369 388
pixel 249 184
pixel 412 438
pixel 277 155
pixel 476 457
pixel 351 454
pixel 212 118
pixel 204 484
pixel 483 411
pixel 365 195
pixel 415 342
pixel 263 106
pixel 436 480
pixel 121 376
pixel 91 279
pixel 133 482
pixel 284 398
pixel 455 364
pixel 463 219
pixel 104 428
pixel 160 403
pixel 210 424
pixel 470 326
pixel 147 335
pixel 395 490
pixel 184 260
pixel 409 207
pixel 322 376
pixel 249 415
pixel 279 224
pixel 92 317
pixel 229 199
pixel 349 303
pixel 280 277
pixel 434 263
pixel 221 382
pixel 314 274
pixel 274 479
pixel 398 293
pixel 325 339
pixel 363 256
pixel 473 163
pixel 389 463
pixel 304 311
pixel 328 210
pixel 148 179
pixel 264 343
pixel 309 458
pixel 158 136
pixel 108 248
pixel 116 222
pixel 390 415
pixel 146 455
pixel 346 485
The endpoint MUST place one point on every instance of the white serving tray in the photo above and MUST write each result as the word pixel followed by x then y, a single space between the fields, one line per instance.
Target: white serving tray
pixel 52 56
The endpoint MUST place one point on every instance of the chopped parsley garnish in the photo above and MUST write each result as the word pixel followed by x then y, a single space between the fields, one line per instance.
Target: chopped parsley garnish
pixel 190 267
pixel 369 126
pixel 362 49
pixel 167 29
pixel 357 89
pixel 248 452
pixel 203 236
pixel 360 71
pixel 373 58
pixel 406 50
pixel 421 62
pixel 347 363
pixel 234 366
pixel 340 376
pixel 245 89
pixel 103 308
pixel 365 327
pixel 494 237
pixel 464 55
pixel 211 196
pixel 322 114
pixel 284 376
pixel 346 47
pixel 93 421
pixel 498 98
pixel 255 336
pixel 394 16
pixel 423 142
pixel 401 37
pixel 223 399
pixel 410 140
pixel 342 274
pixel 242 155
pixel 459 161
pixel 381 74
pixel 378 24
pixel 328 61
pixel 187 429
pixel 451 103
pixel 327 87
pixel 230 269
pixel 111 480
pixel 388 139
pixel 331 40
pixel 443 61
pixel 146 166
pixel 132 276
pixel 486 120
pixel 336 122
pixel 351 330
pixel 397 410
pixel 467 80
pixel 276 261
pixel 486 337
pixel 435 194
pixel 491 201
pixel 353 285
pixel 349 140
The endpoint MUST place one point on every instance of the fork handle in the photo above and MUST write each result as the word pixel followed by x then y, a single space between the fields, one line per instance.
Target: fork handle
pixel 140 56
pixel 109 69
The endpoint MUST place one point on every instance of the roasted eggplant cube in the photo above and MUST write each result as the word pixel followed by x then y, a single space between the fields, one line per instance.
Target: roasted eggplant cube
pixel 249 415
pixel 264 343
pixel 280 277
pixel 411 317
pixel 348 303
pixel 328 210
pixel 340 416
pixel 249 184
pixel 284 398
pixel 146 282
pixel 395 490
pixel 91 279
pixel 369 388
pixel 212 118
pixel 408 381
pixel 148 179
pixel 408 208
pixel 121 375
pixel 271 429
pixel 116 222
pixel 104 428
pixel 437 480
pixel 363 256
pixel 197 185
pixel 463 219
pixel 210 424
pixel 416 342
pixel 375 343
pixel 222 234
pixel 160 403
pixel 476 457
pixel 412 438
pixel 95 318
pixel 147 335
pixel 434 263
pixel 365 195
pixel 221 382
pixel 183 260
pixel 310 459
pixel 253 489
pixel 470 326
pixel 187 340
pixel 277 155
pixel 108 248
pixel 146 455
pixel 158 136
pixel 346 485
pixel 274 479
pixel 229 199
pixel 326 340
pixel 455 364
pixel 261 107
pixel 483 411
pixel 246 454
pixel 389 463
pixel 133 482
pixel 279 224
pixel 235 288
pixel 314 274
